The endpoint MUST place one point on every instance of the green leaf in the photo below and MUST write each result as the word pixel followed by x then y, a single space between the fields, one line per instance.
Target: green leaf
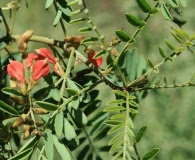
pixel 69 130
pixel 123 36
pixel 55 94
pixel 162 53
pixel 83 152
pixel 90 39
pixel 49 149
pixel 61 149
pixel 169 44
pixel 177 38
pixel 8 109
pixel 113 122
pixel 77 20
pixel 150 63
pixel 174 3
pixel 48 3
pixel 72 2
pixel 164 10
pixel 114 109
pixel 85 29
pixel 8 122
pixel 46 105
pixel 116 138
pixel 99 54
pixel 77 12
pixel 57 17
pixel 22 155
pixel 150 154
pixel 134 104
pixel 11 91
pixel 115 128
pixel 121 93
pixel 133 20
pixel 119 101
pixel 30 144
pixel 59 123
pixel 141 133
pixel 183 3
pixel 144 6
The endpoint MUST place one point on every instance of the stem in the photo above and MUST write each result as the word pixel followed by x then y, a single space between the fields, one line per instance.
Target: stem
pixel 13 21
pixel 67 71
pixel 4 21
pixel 126 127
pixel 136 151
pixel 150 70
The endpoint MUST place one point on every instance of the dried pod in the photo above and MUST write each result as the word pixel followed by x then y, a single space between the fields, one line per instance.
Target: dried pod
pixel 18 122
pixel 115 41
pixel 74 39
pixel 26 134
pixel 114 52
pixel 40 111
pixel 24 38
pixel 25 127
pixel 90 50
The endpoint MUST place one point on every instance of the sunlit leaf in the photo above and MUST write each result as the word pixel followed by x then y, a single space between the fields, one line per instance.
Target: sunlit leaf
pixel 48 3
pixel 90 39
pixel 169 44
pixel 164 10
pixel 59 123
pixel 85 29
pixel 61 149
pixel 57 17
pixel 49 149
pixel 69 130
pixel 99 54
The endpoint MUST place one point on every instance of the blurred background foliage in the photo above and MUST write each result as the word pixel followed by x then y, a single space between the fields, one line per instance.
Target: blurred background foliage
pixel 169 113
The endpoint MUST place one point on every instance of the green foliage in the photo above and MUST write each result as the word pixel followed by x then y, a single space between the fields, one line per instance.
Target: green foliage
pixel 61 116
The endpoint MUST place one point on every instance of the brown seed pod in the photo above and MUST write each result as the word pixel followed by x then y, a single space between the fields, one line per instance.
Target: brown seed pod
pixel 18 99
pixel 25 127
pixel 26 134
pixel 74 39
pixel 114 52
pixel 18 122
pixel 40 111
pixel 24 38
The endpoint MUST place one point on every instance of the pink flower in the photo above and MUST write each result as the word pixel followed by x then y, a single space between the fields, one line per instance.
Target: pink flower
pixel 40 69
pixel 97 62
pixel 16 70
pixel 46 53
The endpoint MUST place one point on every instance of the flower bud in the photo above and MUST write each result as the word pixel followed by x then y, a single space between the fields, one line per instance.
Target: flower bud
pixel 18 99
pixel 91 53
pixel 26 134
pixel 74 39
pixel 58 69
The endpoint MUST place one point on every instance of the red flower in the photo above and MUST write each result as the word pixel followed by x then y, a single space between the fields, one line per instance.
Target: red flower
pixel 30 58
pixel 40 69
pixel 16 70
pixel 97 62
pixel 46 53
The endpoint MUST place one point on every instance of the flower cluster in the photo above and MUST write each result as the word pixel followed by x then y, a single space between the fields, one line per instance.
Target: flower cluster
pixel 37 64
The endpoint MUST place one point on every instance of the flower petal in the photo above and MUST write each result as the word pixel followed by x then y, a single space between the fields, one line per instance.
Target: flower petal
pixel 16 70
pixel 97 62
pixel 40 69
pixel 46 53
